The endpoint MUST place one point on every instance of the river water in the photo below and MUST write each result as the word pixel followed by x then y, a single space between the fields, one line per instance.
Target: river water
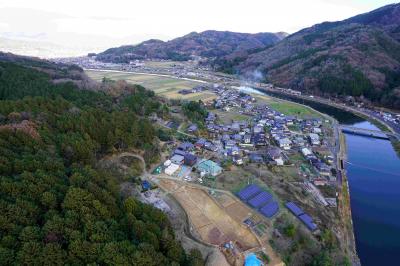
pixel 373 171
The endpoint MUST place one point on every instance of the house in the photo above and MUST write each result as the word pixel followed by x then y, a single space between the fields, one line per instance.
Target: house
pixel 209 167
pixel 284 143
pixel 258 129
pixel 192 129
pixel 290 120
pixel 210 117
pixel 314 139
pixel 256 158
pixel 233 151
pixel 279 161
pixel 200 143
pixel 306 152
pixel 177 159
pixel 210 146
pixel 172 125
pixel 167 163
pixel 323 168
pixel 247 139
pixel 146 185
pixel 179 152
pixel 186 146
pixel 171 169
pixel 237 160
pixel 235 127
pixel 190 159
pixel 299 141
pixel 229 144
pixel 259 139
pixel 274 153
pixel 237 137
pixel 317 130
pixel 225 137
pixel 320 181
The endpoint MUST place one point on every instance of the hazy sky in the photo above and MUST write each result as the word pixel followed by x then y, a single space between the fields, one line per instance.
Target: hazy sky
pixel 170 18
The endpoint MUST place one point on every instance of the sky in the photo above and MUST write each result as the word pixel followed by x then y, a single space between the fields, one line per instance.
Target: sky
pixel 100 22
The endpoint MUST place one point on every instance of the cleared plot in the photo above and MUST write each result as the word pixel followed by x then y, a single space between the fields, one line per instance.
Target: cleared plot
pixel 159 84
pixel 173 94
pixel 238 211
pixel 225 200
pixel 226 218
pixel 228 116
pixel 211 221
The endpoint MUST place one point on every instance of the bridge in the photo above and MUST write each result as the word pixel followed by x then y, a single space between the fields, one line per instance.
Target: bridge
pixel 368 132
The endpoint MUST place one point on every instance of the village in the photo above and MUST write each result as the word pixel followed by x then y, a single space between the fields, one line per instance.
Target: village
pixel 224 154
pixel 265 137
pixel 262 163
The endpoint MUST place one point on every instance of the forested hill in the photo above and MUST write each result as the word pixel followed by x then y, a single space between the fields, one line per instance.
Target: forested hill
pixel 208 44
pixel 359 56
pixel 57 207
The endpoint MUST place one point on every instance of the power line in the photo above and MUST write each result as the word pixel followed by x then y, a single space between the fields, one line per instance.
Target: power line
pixel 372 169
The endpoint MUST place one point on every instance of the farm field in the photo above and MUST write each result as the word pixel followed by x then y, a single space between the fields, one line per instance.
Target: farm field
pixel 288 108
pixel 163 86
pixel 210 220
pixel 218 218
pixel 227 116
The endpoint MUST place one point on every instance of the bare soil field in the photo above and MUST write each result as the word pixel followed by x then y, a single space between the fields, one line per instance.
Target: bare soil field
pixel 231 115
pixel 219 218
pixel 238 211
pixel 211 221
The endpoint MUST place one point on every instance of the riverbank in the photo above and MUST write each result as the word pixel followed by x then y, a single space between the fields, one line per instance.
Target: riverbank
pixel 396 145
pixel 344 207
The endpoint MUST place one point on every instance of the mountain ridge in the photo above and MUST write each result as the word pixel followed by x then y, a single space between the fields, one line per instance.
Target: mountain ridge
pixel 209 44
pixel 359 56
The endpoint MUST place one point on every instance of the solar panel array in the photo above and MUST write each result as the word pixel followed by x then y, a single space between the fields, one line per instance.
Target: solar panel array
pixel 308 221
pixel 260 200
pixel 249 192
pixel 296 210
pixel 299 213
pixel 270 209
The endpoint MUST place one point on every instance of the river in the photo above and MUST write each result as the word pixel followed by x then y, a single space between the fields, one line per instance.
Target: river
pixel 373 171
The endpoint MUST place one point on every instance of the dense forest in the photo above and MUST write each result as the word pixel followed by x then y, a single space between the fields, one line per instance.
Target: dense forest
pixel 57 207
pixel 195 112
pixel 358 57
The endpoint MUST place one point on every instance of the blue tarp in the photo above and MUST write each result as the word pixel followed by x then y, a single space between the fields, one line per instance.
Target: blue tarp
pixel 252 260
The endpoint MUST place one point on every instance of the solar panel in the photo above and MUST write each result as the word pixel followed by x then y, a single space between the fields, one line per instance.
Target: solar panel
pixel 249 192
pixel 308 221
pixel 296 210
pixel 260 200
pixel 270 209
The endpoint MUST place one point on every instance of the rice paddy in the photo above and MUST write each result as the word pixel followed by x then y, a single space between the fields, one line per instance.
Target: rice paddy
pixel 161 85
